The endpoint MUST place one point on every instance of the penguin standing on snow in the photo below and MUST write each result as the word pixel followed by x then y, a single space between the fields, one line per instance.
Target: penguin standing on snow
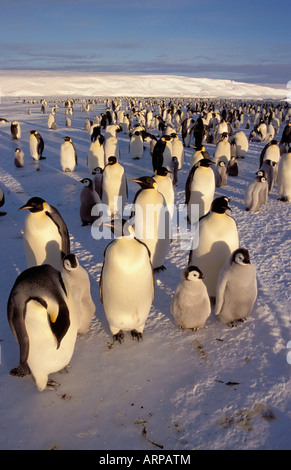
pixel 220 174
pixel 97 180
pixel 200 188
pixel 178 150
pixel 190 306
pixel 236 290
pixel 96 154
pixel 174 170
pixel 271 151
pixel 218 238
pixel 88 199
pixel 256 194
pixel 42 324
pixel 136 145
pixel 152 221
pixel 36 145
pixel 126 285
pixel 165 187
pixel 198 132
pixel 46 238
pixel 222 149
pixel 270 170
pixel 77 284
pixel 68 155
pixel 15 130
pixel 114 187
pixel 232 167
pixel 284 177
pixel 19 158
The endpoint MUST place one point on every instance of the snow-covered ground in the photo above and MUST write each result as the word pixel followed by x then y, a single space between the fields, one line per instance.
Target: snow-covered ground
pixel 217 388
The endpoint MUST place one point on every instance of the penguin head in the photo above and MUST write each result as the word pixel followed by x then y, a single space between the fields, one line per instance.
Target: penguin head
pixel 112 160
pixel 220 205
pixel 67 139
pixel 70 262
pixel 97 171
pixel 87 182
pixel 241 256
pixel 192 273
pixel 35 204
pixel 221 163
pixel 34 132
pixel 146 182
pixel 205 162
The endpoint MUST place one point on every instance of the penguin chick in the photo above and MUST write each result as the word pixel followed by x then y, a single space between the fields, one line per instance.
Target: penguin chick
pixel 46 238
pixel 77 283
pixel 88 199
pixel 236 290
pixel 15 130
pixel 190 305
pixel 220 174
pixel 256 194
pixel 40 320
pixel 18 158
pixel 126 285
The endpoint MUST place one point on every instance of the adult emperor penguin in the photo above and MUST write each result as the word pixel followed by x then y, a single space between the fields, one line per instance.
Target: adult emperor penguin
pixel 36 145
pixel 199 154
pixel 178 150
pixel 96 154
pixel 286 135
pixel 78 287
pixel 126 285
pixel 42 324
pixel 152 221
pixel 200 189
pixel 236 289
pixel 46 238
pixel 114 187
pixel 15 130
pixel 68 155
pixel 18 158
pixel 242 143
pixel 136 148
pixel 88 199
pixel 111 149
pixel 284 177
pixel 218 238
pixel 271 151
pixel 165 187
pixel 256 194
pixel 190 306
pixel 222 149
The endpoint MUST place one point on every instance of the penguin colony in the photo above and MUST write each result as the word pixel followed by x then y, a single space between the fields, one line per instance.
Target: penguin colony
pixel 50 302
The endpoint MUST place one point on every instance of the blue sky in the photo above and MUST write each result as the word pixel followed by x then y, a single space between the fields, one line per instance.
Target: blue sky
pixel 240 40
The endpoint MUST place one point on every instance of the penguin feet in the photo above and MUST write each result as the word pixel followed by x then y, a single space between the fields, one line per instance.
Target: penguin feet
pixel 118 337
pixel 232 324
pixel 2 214
pixel 20 371
pixel 136 334
pixel 283 199
pixel 160 268
pixel 136 158
pixel 51 384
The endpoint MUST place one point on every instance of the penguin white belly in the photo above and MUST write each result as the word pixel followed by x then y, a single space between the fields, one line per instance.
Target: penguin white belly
pixel 114 192
pixel 44 358
pixel 127 286
pixel 242 144
pixel 217 240
pixel 136 146
pixel 201 192
pixel 33 147
pixel 42 246
pixel 152 225
pixel 222 152
pixel 273 153
pixel 111 148
pixel 165 187
pixel 178 151
pixel 95 157
pixel 67 157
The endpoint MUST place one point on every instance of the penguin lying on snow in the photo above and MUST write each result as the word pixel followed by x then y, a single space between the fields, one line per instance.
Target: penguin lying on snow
pixel 236 290
pixel 126 284
pixel 46 237
pixel 42 324
pixel 190 305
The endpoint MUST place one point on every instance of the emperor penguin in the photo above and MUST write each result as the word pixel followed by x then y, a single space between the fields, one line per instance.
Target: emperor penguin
pixel 286 135
pixel 18 158
pixel 271 151
pixel 284 177
pixel 242 143
pixel 199 131
pixel 232 167
pixel 199 154
pixel 256 194
pixel 43 326
pixel 46 238
pixel 15 130
pixel 200 189
pixel 2 201
pixel 222 149
pixel 36 145
pixel 178 150
pixel 68 155
pixel 218 238
pixel 111 149
pixel 127 284
pixel 51 120
pixel 136 148
pixel 96 154
pixel 77 283
pixel 165 187
pixel 220 174
pixel 190 306
pixel 152 220
pixel 270 170
pixel 114 187
pixel 174 170
pixel 236 289
pixel 88 199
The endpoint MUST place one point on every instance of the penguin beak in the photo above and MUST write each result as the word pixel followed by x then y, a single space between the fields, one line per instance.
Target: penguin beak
pixel 24 207
pixel 136 181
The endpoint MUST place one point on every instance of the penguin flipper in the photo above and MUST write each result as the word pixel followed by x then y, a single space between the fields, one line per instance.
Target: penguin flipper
pixel 63 231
